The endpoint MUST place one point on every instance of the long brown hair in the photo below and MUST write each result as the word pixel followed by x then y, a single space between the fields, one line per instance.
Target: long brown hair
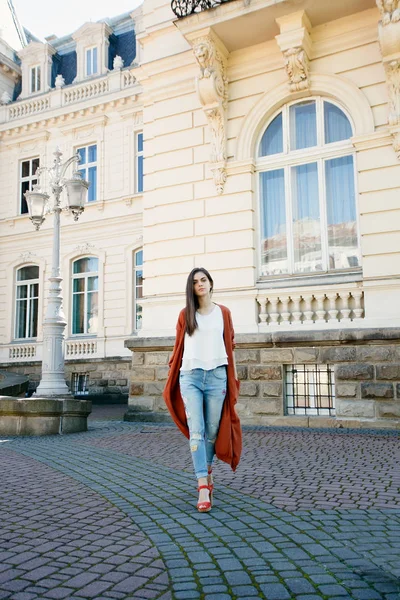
pixel 192 302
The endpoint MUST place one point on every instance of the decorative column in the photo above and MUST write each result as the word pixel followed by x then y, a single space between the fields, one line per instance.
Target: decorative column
pixel 212 88
pixel 389 40
pixel 295 44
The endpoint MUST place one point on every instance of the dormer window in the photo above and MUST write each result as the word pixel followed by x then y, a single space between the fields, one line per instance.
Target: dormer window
pixel 91 61
pixel 35 79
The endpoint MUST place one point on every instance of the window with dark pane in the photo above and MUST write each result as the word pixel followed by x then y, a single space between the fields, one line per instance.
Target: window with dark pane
pixel 88 168
pixel 85 295
pixel 28 179
pixel 26 302
pixel 138 289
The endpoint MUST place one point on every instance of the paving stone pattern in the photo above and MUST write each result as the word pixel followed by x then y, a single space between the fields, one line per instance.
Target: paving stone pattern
pixel 110 514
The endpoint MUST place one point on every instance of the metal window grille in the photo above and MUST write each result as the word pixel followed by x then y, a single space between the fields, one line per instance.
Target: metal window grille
pixel 310 390
pixel 80 384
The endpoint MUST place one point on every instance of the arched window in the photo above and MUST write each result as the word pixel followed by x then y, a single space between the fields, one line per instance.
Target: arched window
pixel 138 288
pixel 85 295
pixel 26 302
pixel 307 191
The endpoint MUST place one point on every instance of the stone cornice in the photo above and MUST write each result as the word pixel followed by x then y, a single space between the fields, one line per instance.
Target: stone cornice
pixel 374 140
pixel 74 114
pixel 356 336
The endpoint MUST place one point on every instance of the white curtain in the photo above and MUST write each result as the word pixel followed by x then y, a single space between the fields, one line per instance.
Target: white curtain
pixel 272 140
pixel 337 125
pixel 273 226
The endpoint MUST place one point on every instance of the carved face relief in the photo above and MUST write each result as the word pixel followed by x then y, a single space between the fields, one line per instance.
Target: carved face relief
pixel 203 54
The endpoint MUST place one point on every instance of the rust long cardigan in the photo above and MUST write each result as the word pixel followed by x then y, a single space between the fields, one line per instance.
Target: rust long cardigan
pixel 228 445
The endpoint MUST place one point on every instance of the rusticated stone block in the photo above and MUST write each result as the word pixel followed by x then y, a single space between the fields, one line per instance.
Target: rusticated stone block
pixel 355 408
pixel 162 373
pixel 267 406
pixel 136 389
pixel 156 358
pixel 143 374
pixel 398 390
pixel 306 355
pixel 241 372
pixel 273 389
pixel 388 410
pixel 153 389
pixel 138 358
pixel 121 382
pixel 96 375
pixel 377 390
pixel 249 388
pixel 375 353
pixel 388 371
pixel 356 371
pixel 111 382
pixel 245 356
pixel 280 355
pixel 103 382
pixel 265 372
pixel 346 390
pixel 337 354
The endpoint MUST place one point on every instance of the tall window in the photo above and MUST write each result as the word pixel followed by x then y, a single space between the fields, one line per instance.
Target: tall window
pixel 27 302
pixel 138 288
pixel 26 181
pixel 91 61
pixel 88 168
pixel 35 79
pixel 307 189
pixel 139 162
pixel 85 295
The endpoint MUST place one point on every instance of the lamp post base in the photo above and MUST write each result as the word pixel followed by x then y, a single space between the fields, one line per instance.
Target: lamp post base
pixel 52 388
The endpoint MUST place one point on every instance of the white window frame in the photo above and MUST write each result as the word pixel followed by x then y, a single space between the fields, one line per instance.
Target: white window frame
pixel 291 158
pixel 84 276
pixel 139 157
pixel 35 81
pixel 31 178
pixel 29 283
pixel 90 52
pixel 84 168
pixel 136 268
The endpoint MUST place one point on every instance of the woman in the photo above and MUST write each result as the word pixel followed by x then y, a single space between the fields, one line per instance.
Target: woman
pixel 202 385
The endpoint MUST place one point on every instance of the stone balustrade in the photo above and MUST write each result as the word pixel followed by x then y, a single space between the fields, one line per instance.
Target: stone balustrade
pixel 80 348
pixel 22 352
pixel 81 91
pixel 310 307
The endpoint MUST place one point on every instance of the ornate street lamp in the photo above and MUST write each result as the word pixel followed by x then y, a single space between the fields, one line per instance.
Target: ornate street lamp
pixel 53 379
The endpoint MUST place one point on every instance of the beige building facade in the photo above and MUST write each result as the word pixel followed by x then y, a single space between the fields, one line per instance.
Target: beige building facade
pixel 269 134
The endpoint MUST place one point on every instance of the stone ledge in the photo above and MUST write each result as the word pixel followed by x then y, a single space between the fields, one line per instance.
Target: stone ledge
pixel 43 416
pixel 320 337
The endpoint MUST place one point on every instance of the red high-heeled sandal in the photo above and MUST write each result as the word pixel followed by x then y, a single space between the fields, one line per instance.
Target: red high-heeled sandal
pixel 210 483
pixel 204 506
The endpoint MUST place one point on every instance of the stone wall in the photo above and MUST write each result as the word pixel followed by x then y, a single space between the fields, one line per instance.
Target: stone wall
pixel 107 378
pixel 366 367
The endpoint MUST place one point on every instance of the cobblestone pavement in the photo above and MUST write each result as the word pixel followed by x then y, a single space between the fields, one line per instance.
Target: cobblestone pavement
pixel 111 514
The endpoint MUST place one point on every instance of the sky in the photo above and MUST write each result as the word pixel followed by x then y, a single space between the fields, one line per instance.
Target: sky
pixel 47 17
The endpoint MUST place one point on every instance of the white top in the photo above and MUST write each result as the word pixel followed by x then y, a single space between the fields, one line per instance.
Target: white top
pixel 205 349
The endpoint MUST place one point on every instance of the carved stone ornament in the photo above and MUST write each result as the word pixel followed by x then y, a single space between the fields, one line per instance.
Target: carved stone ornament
pixel 392 69
pixel 297 65
pixel 396 143
pixel 5 98
pixel 118 63
pixel 59 82
pixel 390 10
pixel 27 256
pixel 85 248
pixel 212 89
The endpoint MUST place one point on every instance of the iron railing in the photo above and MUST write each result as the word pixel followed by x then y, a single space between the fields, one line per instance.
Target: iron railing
pixel 310 390
pixel 184 8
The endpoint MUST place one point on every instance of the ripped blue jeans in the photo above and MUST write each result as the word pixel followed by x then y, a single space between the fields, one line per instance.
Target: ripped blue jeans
pixel 203 394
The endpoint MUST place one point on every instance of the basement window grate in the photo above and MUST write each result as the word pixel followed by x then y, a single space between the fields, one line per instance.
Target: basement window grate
pixel 310 390
pixel 80 384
